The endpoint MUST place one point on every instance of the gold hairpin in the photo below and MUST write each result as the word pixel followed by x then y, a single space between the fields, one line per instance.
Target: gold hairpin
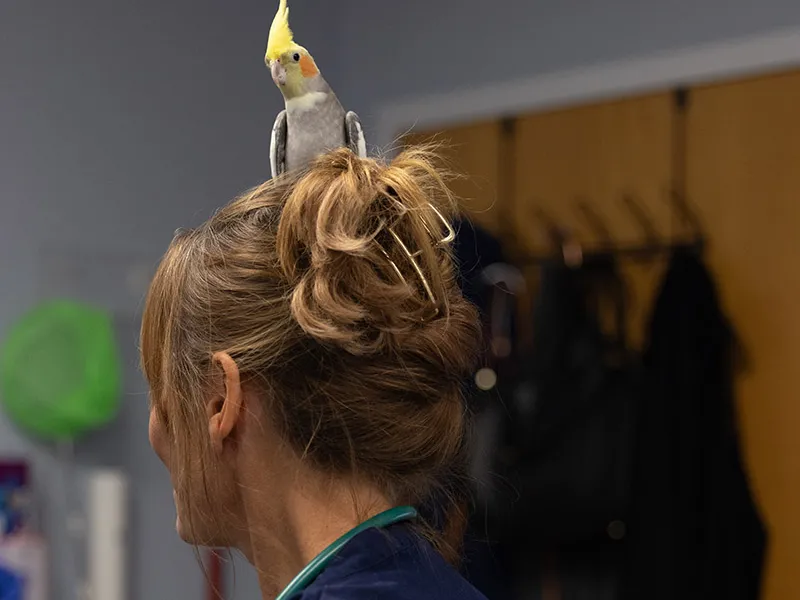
pixel 412 256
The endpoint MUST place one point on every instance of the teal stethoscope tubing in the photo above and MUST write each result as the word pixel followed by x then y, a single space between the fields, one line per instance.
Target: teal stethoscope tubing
pixel 316 566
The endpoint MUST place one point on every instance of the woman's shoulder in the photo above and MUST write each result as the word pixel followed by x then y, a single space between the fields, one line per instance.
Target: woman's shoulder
pixel 393 564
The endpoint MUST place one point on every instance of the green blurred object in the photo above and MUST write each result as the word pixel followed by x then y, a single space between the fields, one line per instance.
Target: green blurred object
pixel 60 370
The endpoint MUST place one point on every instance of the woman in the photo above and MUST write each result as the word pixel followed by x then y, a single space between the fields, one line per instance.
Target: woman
pixel 305 350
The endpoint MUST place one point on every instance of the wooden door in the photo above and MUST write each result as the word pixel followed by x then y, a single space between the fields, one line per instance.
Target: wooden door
pixel 596 155
pixel 744 174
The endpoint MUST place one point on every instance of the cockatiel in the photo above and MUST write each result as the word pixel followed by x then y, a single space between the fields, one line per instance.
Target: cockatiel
pixel 314 121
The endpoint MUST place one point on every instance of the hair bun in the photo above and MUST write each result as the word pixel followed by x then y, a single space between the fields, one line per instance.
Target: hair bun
pixel 346 237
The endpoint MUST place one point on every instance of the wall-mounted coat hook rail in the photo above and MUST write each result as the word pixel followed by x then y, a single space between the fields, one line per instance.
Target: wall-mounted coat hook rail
pixel 630 252
pixel 571 251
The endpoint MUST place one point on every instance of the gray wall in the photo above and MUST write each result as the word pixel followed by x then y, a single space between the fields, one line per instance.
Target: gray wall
pixel 435 46
pixel 120 121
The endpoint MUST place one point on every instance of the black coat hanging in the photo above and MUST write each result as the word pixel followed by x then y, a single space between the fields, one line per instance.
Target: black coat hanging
pixel 563 452
pixel 695 532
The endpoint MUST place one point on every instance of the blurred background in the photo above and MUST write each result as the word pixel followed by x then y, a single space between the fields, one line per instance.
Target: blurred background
pixel 632 188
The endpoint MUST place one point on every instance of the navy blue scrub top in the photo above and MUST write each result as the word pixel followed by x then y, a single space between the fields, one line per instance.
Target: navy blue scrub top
pixel 393 563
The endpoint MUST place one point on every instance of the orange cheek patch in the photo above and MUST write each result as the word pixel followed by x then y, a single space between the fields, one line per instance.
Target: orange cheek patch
pixel 308 66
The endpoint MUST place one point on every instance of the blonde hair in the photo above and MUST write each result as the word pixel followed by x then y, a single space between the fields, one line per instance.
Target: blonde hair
pixel 302 282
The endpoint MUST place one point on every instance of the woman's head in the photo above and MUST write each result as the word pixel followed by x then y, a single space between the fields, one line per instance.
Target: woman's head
pixel 328 300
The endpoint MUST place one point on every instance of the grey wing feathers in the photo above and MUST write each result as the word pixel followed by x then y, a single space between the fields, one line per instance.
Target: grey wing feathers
pixel 354 134
pixel 277 146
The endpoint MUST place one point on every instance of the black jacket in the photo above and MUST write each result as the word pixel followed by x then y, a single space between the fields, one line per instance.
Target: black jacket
pixel 694 532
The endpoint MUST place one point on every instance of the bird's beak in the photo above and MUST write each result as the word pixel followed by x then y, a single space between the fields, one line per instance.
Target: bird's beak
pixel 278 73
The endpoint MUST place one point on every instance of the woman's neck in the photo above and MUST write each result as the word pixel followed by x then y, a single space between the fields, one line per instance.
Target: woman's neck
pixel 286 531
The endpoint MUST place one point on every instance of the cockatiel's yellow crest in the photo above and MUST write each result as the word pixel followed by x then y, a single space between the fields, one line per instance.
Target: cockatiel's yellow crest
pixel 281 38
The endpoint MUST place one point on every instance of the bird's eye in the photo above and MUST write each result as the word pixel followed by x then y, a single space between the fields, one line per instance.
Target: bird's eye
pixel 296 57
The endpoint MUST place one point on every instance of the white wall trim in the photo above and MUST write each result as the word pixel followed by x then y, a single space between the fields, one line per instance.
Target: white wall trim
pixel 699 64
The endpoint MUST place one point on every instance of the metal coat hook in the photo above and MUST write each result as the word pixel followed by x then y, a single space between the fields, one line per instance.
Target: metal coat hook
pixel 687 216
pixel 595 221
pixel 561 238
pixel 554 232
pixel 639 213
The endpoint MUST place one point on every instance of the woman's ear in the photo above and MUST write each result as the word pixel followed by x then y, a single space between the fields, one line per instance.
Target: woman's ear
pixel 225 406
